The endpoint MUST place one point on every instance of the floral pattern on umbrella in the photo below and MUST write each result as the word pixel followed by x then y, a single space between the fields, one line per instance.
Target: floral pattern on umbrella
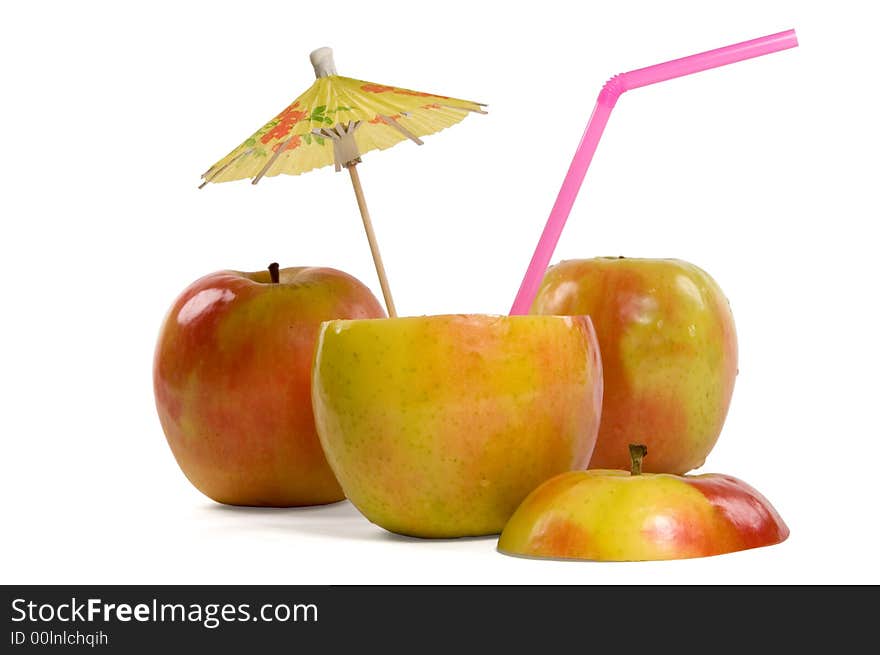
pixel 331 100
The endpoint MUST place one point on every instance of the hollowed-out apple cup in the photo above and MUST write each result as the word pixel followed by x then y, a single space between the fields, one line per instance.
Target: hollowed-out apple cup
pixel 439 426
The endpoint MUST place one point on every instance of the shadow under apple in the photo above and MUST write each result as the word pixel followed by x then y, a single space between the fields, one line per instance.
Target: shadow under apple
pixel 340 520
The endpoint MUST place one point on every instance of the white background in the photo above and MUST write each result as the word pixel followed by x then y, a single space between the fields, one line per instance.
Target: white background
pixel 764 173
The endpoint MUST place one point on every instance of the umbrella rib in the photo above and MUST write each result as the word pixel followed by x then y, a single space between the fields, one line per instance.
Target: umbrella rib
pixel 225 166
pixel 476 111
pixel 333 135
pixel 390 122
pixel 271 161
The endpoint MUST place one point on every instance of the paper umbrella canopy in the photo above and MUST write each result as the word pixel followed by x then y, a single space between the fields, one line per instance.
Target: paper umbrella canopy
pixel 335 121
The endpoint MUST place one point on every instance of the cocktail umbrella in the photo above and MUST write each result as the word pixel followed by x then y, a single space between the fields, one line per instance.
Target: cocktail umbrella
pixel 334 122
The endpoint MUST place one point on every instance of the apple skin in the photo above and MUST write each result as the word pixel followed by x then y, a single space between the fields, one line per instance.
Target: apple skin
pixel 439 426
pixel 232 380
pixel 669 354
pixel 610 515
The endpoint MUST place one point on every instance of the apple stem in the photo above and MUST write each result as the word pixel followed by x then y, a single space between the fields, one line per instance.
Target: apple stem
pixel 273 273
pixel 637 453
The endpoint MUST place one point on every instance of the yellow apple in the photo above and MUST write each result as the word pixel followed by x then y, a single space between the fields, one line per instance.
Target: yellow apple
pixel 439 426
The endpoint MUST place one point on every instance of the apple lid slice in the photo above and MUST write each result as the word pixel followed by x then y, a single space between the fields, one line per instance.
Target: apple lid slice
pixel 613 515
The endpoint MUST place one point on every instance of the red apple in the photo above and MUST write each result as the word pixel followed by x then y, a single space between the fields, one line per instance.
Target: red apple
pixel 669 354
pixel 232 378
pixel 612 515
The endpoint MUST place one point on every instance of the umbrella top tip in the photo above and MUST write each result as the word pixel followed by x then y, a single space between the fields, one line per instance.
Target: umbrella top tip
pixel 322 61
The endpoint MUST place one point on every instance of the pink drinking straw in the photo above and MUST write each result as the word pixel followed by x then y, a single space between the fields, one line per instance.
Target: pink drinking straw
pixel 584 154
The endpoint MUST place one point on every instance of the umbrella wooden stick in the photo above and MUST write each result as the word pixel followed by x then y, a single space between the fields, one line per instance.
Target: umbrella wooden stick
pixel 371 237
pixel 346 155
